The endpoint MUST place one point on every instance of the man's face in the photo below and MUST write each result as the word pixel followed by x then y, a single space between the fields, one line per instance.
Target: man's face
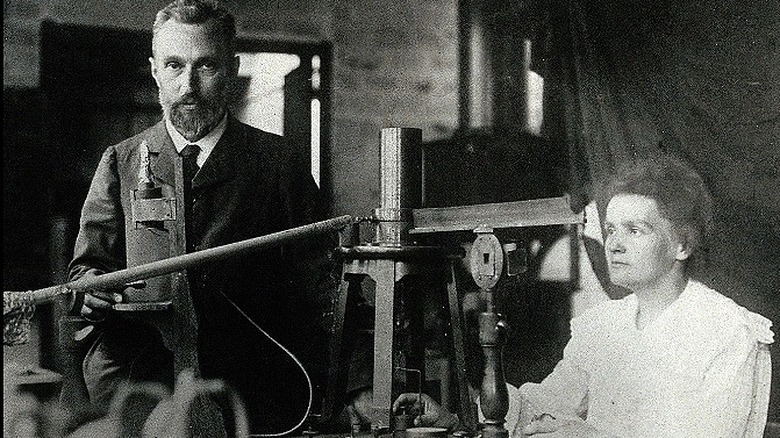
pixel 193 68
pixel 640 244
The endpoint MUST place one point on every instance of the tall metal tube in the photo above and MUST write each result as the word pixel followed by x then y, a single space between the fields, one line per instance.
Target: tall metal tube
pixel 400 184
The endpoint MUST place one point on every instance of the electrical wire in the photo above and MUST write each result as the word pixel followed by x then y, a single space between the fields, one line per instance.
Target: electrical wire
pixel 295 359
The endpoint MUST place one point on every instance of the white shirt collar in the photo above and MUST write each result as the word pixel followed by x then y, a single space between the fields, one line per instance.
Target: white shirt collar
pixel 206 143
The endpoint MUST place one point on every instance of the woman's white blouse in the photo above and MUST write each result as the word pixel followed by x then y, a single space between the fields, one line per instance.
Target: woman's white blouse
pixel 687 374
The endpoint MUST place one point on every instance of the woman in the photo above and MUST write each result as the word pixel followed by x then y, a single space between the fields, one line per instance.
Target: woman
pixel 672 359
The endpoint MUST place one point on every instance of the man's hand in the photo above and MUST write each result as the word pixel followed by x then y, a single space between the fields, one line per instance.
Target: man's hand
pixel 97 303
pixel 548 426
pixel 431 413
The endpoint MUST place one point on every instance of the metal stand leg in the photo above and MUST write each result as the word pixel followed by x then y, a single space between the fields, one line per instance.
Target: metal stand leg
pixel 384 274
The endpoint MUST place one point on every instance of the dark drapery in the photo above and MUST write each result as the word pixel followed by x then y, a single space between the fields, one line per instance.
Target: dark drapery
pixel 601 125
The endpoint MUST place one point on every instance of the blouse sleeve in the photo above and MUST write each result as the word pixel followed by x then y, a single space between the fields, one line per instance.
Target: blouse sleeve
pixel 564 391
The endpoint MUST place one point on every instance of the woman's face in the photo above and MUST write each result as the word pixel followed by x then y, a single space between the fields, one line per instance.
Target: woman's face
pixel 640 244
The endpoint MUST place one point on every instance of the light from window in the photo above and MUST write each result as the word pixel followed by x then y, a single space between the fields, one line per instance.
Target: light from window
pixel 315 140
pixel 262 105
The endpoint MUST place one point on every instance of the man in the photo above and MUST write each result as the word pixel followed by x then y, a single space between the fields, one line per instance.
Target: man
pixel 247 185
pixel 674 358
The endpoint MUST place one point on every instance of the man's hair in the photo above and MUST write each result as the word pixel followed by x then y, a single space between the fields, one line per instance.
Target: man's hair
pixel 681 195
pixel 198 12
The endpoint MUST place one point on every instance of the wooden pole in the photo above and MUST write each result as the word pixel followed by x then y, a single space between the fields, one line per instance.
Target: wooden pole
pixel 178 263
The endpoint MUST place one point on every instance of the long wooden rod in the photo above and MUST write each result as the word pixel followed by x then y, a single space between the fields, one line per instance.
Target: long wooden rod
pixel 184 261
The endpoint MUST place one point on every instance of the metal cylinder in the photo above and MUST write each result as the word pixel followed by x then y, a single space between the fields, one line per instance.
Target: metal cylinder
pixel 401 168
pixel 400 183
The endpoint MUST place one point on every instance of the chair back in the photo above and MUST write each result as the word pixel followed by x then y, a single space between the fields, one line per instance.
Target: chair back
pixel 762 378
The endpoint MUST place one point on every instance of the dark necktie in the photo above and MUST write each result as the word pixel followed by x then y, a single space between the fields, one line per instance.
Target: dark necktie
pixel 189 169
pixel 190 162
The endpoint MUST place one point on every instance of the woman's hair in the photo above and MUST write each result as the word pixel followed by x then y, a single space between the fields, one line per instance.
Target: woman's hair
pixel 681 195
pixel 198 12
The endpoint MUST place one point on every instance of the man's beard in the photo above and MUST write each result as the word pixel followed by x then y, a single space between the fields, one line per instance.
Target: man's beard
pixel 193 124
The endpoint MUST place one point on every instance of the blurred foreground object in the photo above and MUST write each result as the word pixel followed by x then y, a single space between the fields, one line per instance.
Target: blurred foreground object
pixel 24 413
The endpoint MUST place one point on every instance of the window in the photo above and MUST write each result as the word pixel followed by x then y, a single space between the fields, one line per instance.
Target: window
pixel 284 90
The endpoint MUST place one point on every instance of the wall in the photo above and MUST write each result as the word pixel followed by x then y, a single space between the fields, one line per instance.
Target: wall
pixel 395 65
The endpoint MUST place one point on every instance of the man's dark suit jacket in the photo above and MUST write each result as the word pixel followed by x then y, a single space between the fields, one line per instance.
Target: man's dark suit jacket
pixel 249 186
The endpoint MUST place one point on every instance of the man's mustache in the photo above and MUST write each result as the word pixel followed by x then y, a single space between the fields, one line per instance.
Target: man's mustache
pixel 188 100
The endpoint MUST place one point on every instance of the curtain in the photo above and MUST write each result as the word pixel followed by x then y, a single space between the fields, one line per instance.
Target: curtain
pixel 599 121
